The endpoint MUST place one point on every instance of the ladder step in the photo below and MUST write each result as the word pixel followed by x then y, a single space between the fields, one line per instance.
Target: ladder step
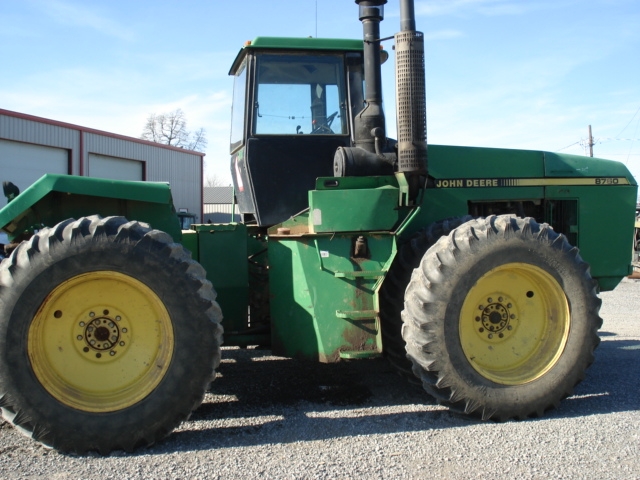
pixel 360 354
pixel 361 274
pixel 357 314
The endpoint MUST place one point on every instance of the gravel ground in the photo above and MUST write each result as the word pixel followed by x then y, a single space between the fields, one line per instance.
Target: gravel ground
pixel 277 418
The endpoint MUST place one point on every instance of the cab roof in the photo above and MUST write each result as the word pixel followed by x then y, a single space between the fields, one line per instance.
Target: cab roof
pixel 292 43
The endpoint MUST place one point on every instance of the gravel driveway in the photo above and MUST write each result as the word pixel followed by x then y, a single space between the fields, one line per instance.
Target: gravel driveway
pixel 278 418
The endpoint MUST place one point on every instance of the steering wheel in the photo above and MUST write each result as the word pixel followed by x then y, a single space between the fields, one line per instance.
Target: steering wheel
pixel 326 126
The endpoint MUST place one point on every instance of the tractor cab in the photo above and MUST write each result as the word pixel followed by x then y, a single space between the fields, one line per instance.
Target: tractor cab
pixel 294 104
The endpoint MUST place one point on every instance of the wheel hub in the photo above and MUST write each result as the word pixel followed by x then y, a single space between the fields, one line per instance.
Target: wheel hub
pixel 102 335
pixel 497 317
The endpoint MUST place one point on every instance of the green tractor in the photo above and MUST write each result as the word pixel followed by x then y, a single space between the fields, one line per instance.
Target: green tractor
pixel 463 271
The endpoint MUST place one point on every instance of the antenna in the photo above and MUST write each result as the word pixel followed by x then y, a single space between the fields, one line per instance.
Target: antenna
pixel 316 18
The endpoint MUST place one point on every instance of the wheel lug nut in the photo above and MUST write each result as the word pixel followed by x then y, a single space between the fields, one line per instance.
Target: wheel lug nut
pixel 490 335
pixel 79 337
pixel 490 300
pixel 112 353
pixel 91 314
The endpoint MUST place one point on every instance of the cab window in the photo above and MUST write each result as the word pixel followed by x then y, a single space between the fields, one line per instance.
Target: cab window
pixel 299 95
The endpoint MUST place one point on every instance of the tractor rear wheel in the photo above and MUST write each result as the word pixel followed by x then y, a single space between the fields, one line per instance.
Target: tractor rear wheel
pixel 392 290
pixel 109 335
pixel 501 318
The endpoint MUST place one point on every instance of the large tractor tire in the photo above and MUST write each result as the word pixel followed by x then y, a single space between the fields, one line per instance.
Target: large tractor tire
pixel 392 290
pixel 501 318
pixel 109 335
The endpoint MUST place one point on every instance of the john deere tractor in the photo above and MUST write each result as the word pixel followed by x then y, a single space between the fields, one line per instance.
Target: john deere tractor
pixel 465 267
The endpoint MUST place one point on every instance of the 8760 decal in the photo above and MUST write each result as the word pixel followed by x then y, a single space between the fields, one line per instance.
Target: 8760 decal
pixel 607 181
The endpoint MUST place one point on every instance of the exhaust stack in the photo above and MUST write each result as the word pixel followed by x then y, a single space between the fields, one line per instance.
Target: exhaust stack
pixel 411 105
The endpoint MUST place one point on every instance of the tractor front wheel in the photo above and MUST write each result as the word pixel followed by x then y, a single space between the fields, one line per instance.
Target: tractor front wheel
pixel 109 335
pixel 501 318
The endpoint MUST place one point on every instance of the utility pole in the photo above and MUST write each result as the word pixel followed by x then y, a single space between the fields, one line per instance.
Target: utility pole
pixel 590 142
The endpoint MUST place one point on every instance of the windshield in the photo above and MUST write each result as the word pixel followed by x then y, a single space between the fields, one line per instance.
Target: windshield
pixel 298 94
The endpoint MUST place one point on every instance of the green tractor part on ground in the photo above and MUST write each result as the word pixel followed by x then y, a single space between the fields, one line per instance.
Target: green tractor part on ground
pixel 467 271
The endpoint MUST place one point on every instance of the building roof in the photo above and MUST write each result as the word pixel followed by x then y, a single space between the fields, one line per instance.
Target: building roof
pixel 218 195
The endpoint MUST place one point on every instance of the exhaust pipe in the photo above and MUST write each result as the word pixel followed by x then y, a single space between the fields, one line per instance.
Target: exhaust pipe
pixel 411 102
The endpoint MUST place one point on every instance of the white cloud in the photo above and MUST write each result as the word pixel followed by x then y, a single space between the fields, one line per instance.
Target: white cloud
pixel 443 35
pixel 483 7
pixel 68 13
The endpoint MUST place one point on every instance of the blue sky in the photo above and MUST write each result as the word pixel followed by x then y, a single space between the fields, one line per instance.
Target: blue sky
pixel 501 73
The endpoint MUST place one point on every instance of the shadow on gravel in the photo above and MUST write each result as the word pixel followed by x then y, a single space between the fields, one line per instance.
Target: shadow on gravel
pixel 284 400
pixel 611 384
pixel 276 400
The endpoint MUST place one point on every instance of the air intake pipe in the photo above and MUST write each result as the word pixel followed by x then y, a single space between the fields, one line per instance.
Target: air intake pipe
pixel 371 155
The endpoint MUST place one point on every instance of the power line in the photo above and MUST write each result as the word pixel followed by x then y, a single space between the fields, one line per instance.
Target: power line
pixel 619 154
pixel 564 148
pixel 608 139
pixel 634 116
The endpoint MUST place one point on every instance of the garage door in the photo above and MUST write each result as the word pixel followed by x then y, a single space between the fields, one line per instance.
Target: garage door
pixel 23 163
pixel 102 166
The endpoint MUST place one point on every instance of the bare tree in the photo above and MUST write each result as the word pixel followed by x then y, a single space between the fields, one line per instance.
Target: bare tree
pixel 171 129
pixel 213 181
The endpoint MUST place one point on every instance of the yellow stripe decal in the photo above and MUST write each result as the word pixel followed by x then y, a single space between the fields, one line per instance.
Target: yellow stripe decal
pixel 526 182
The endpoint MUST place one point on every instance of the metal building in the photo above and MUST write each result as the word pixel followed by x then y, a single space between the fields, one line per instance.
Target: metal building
pixel 219 204
pixel 32 146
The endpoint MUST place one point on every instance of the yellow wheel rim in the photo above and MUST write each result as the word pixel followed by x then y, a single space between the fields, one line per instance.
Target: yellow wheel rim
pixel 514 324
pixel 101 342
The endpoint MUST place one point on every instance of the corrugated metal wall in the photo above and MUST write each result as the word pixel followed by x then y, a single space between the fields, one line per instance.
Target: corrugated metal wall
pixel 182 169
pixel 28 131
pixel 220 213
